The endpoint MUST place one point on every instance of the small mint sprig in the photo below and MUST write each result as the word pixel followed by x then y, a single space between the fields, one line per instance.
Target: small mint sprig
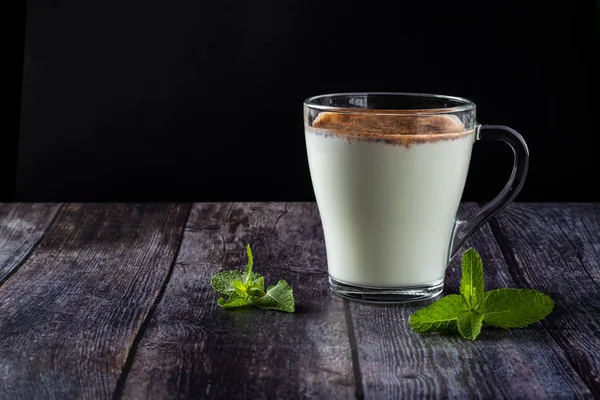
pixel 248 288
pixel 473 308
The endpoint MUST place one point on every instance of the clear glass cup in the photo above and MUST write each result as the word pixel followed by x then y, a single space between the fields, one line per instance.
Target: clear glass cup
pixel 388 171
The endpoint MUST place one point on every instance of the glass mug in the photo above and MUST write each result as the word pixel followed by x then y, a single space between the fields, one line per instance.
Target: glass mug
pixel 388 171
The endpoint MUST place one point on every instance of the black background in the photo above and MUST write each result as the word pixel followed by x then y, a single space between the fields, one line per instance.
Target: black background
pixel 194 101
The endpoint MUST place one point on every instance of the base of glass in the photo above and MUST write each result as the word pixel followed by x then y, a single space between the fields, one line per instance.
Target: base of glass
pixel 386 294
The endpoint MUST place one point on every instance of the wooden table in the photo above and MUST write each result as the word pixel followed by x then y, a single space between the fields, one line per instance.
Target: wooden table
pixel 102 301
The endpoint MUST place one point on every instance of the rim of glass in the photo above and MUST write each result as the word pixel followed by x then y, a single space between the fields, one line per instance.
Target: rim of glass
pixel 463 104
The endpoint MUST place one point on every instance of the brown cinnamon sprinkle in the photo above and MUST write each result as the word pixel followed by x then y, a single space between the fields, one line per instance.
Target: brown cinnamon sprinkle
pixel 390 128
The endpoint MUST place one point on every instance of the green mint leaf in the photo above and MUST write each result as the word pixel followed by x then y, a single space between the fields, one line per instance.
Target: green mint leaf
pixel 473 309
pixel 238 298
pixel 471 283
pixel 469 324
pixel 248 275
pixel 234 301
pixel 223 281
pixel 249 288
pixel 279 297
pixel 256 287
pixel 514 308
pixel 240 288
pixel 440 316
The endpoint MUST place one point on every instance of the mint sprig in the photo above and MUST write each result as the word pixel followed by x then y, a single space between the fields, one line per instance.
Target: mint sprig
pixel 248 288
pixel 474 308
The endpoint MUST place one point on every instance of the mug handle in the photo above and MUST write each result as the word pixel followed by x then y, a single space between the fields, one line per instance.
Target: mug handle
pixel 464 229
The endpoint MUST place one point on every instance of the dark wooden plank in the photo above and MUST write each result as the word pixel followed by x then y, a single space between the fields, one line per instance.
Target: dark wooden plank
pixel 21 227
pixel 70 314
pixel 580 224
pixel 395 362
pixel 193 349
pixel 552 247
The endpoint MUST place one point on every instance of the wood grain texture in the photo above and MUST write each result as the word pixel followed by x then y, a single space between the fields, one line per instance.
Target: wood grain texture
pixel 580 224
pixel 397 363
pixel 70 314
pixel 99 309
pixel 554 248
pixel 194 349
pixel 21 227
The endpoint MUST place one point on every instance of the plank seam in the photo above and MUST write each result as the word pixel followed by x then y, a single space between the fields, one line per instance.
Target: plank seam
pixel 120 385
pixel 359 392
pixel 33 247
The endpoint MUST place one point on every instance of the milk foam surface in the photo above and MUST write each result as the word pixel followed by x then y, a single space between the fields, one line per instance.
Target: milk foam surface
pixel 388 208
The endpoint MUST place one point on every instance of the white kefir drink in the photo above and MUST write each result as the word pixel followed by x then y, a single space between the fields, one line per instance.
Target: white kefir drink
pixel 388 188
